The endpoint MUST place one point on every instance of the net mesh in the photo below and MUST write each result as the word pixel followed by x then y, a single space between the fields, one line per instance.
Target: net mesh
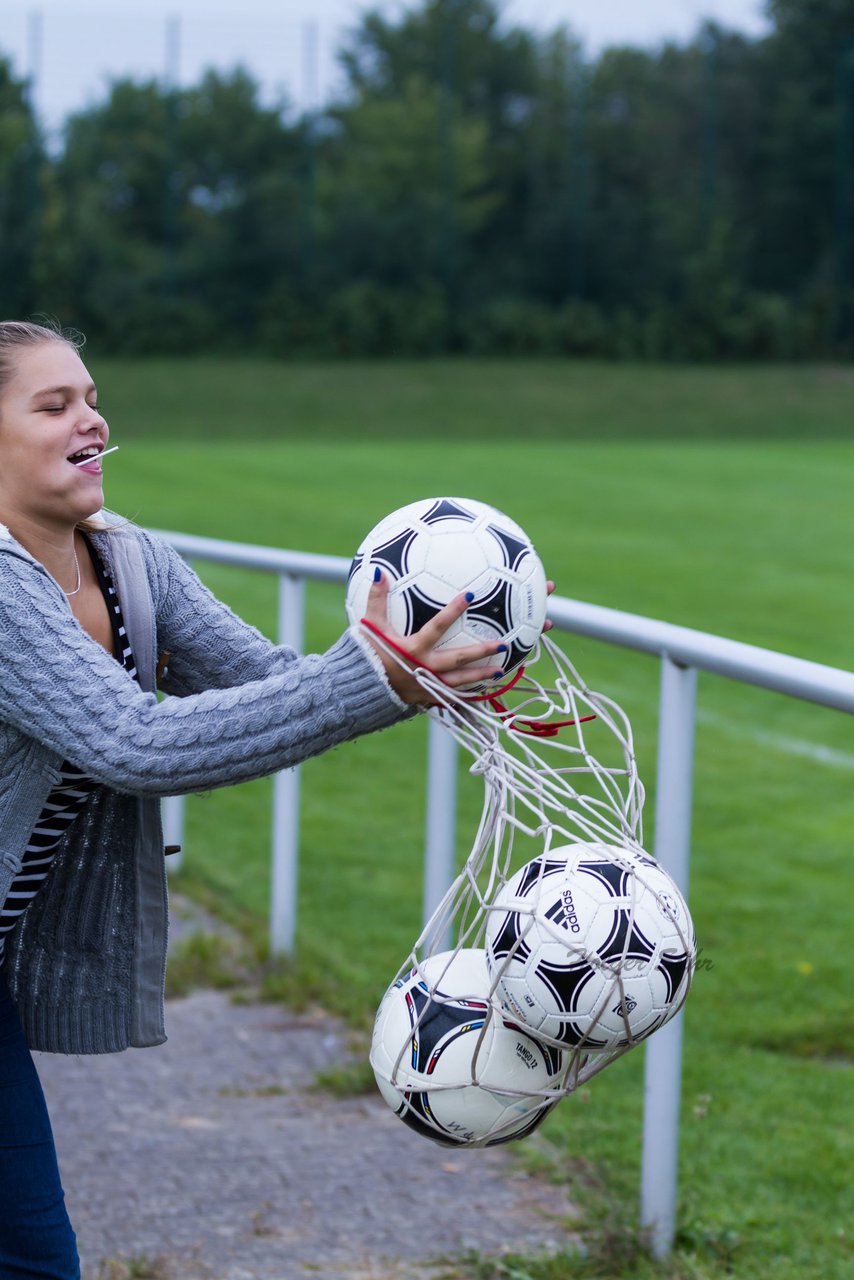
pixel 558 768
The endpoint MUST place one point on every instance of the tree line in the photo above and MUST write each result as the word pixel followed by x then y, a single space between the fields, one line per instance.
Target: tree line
pixel 475 188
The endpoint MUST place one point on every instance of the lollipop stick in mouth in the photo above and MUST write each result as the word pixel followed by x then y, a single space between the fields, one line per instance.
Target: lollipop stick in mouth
pixel 96 457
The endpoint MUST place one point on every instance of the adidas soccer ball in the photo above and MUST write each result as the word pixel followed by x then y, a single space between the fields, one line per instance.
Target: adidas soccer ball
pixel 434 549
pixel 450 1065
pixel 591 945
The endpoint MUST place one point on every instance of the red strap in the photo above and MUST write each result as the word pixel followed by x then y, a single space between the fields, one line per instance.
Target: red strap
pixel 534 728
pixel 496 693
pixel 413 662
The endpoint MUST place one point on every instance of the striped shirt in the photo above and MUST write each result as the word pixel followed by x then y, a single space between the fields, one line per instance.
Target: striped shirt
pixel 68 798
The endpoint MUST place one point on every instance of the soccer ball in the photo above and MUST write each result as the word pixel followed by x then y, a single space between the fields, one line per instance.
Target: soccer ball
pixel 591 945
pixel 434 549
pixel 450 1065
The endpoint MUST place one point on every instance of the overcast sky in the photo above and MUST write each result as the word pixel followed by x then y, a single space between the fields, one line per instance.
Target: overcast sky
pixel 72 50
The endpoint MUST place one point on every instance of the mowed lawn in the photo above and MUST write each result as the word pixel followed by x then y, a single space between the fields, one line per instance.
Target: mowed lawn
pixel 719 499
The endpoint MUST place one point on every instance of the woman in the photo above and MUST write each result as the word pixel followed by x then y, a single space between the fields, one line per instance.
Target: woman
pixel 95 615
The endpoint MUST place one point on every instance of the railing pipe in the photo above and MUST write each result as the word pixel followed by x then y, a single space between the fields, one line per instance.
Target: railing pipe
pixel 286 791
pixel 172 816
pixel 302 564
pixel 797 677
pixel 441 825
pixel 683 652
pixel 663 1067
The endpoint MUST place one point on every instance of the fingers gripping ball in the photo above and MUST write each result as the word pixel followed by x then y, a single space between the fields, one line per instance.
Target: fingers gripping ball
pixel 591 945
pixel 433 550
pixel 450 1065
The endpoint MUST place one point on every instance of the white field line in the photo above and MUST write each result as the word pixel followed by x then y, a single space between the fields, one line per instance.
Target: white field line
pixel 815 752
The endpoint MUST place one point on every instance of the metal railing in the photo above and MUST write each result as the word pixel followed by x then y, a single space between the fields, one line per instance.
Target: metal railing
pixel 683 652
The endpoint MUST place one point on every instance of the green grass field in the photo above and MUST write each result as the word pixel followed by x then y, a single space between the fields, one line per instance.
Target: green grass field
pixel 718 499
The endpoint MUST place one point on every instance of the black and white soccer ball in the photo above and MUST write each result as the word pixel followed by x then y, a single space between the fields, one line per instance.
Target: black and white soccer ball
pixel 451 1065
pixel 436 548
pixel 591 945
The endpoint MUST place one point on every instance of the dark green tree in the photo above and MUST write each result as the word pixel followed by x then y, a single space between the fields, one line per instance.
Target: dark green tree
pixel 435 109
pixel 808 176
pixel 475 187
pixel 23 175
pixel 179 213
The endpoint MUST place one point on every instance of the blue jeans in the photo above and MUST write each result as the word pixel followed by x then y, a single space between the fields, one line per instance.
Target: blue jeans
pixel 36 1239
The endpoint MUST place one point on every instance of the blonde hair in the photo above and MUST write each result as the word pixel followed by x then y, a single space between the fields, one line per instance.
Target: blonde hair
pixel 16 335
pixel 20 335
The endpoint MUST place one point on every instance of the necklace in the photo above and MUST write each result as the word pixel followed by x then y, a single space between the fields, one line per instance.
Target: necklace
pixel 69 594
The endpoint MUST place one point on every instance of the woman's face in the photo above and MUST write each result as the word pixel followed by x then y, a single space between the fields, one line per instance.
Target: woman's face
pixel 48 414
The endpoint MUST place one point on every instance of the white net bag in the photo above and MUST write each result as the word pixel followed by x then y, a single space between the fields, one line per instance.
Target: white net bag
pixel 561 943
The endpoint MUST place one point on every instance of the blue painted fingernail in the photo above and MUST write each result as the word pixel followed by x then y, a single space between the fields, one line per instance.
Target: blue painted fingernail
pixel 378 573
pixel 496 675
pixel 469 596
pixel 502 648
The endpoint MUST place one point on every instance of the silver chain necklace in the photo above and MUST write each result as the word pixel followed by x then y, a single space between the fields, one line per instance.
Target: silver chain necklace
pixel 69 594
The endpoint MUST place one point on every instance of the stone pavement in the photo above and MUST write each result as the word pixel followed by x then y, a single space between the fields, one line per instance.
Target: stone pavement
pixel 212 1158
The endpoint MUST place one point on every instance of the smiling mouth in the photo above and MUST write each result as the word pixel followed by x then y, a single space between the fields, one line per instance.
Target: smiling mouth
pixel 86 455
pixel 90 454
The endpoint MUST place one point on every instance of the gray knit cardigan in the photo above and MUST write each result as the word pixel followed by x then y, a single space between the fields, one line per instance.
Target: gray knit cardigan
pixel 86 962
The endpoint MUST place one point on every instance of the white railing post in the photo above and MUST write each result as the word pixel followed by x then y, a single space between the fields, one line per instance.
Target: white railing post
pixel 286 791
pixel 172 819
pixel 440 832
pixel 663 1068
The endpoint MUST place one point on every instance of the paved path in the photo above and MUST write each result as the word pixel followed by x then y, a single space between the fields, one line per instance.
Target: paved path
pixel 211 1157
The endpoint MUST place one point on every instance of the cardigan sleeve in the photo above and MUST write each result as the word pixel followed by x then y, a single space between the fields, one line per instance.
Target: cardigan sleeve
pixel 208 645
pixel 59 686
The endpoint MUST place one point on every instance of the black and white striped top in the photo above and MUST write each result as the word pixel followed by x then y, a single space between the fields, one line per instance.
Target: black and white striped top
pixel 68 798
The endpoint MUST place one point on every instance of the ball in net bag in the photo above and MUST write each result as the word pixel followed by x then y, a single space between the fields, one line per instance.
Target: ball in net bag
pixel 591 946
pixel 433 550
pixel 450 1065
